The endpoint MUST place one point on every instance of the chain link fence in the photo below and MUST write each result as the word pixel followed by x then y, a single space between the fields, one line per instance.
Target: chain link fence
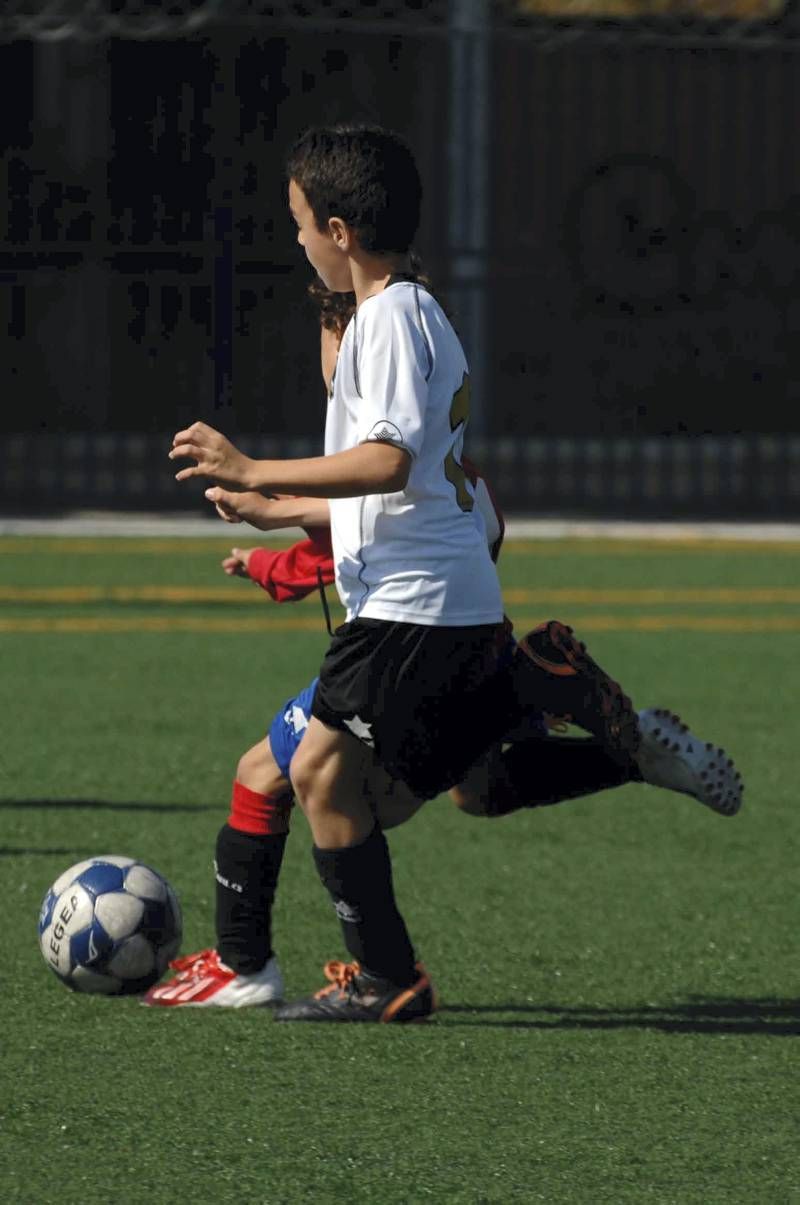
pixel 553 21
pixel 612 218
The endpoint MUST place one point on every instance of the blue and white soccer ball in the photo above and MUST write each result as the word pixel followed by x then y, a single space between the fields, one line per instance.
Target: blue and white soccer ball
pixel 109 925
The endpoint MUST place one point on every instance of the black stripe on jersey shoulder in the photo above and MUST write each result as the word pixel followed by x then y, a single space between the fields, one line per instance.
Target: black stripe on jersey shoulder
pixel 362 562
pixel 428 351
pixel 356 378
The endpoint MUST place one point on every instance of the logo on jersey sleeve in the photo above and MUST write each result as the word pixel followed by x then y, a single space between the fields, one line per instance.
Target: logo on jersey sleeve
pixel 386 432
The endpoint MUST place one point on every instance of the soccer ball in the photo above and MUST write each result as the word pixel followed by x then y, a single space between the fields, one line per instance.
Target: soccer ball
pixel 109 925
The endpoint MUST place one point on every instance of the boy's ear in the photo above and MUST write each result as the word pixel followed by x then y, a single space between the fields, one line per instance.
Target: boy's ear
pixel 340 233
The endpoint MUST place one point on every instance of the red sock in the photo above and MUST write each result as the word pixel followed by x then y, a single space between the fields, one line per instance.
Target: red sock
pixel 257 814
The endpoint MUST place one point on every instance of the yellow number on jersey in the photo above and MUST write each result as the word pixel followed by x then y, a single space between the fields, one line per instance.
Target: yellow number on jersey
pixel 459 415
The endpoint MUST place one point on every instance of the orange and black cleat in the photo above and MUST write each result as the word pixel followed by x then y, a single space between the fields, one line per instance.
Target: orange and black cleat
pixel 554 673
pixel 352 995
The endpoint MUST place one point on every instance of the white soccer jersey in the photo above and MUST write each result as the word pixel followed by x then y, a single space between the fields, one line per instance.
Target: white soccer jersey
pixel 419 555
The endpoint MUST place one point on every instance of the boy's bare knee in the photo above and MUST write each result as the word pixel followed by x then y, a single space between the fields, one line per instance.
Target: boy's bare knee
pixel 304 773
pixel 258 770
pixel 330 779
pixel 313 794
pixel 244 767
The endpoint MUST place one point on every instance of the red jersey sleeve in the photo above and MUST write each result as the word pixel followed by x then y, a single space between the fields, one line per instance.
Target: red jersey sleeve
pixel 293 573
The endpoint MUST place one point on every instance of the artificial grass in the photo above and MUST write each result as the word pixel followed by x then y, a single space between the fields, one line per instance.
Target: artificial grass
pixel 617 974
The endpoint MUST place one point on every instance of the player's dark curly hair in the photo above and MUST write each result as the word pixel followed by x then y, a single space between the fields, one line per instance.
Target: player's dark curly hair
pixel 336 309
pixel 364 175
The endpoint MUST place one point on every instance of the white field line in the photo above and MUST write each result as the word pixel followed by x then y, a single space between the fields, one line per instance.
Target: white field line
pixel 119 524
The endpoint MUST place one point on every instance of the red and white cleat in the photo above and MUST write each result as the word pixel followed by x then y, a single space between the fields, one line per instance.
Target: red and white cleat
pixel 203 980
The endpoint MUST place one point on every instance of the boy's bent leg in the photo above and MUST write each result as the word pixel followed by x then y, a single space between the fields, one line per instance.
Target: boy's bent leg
pixel 331 774
pixel 380 686
pixel 395 803
pixel 539 772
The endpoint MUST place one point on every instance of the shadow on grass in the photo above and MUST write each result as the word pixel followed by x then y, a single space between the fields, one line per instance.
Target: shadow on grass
pixel 699 1014
pixel 108 805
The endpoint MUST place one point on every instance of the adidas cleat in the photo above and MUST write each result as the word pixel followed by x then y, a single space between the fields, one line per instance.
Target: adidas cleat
pixel 571 685
pixel 203 980
pixel 352 995
pixel 671 756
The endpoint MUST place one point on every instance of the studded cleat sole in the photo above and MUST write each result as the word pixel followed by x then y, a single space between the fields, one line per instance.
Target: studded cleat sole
pixel 672 756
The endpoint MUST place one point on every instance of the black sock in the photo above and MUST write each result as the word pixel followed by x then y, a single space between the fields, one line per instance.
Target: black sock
pixel 548 770
pixel 359 880
pixel 247 869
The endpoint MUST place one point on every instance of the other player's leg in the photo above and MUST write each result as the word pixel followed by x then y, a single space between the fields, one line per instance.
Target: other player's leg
pixel 541 770
pixel 555 673
pixel 241 970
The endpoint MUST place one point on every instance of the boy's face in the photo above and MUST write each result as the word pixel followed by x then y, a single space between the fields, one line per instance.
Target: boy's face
pixel 321 247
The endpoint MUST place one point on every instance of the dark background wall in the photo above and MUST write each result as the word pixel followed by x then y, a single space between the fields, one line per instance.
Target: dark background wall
pixel 646 272
pixel 132 261
pixel 640 273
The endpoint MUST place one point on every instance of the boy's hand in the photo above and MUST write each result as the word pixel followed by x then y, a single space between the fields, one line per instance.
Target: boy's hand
pixel 236 564
pixel 215 455
pixel 246 507
pixel 232 506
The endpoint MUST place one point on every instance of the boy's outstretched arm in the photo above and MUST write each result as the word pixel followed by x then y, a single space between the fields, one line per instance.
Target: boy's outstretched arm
pixel 287 574
pixel 370 468
pixel 268 514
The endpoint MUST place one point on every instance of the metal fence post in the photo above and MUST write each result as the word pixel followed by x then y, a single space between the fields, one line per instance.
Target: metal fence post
pixel 468 200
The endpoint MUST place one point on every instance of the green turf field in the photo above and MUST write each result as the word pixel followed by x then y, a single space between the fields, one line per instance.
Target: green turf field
pixel 619 975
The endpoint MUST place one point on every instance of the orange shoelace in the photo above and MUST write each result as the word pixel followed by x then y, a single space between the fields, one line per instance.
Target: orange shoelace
pixel 341 976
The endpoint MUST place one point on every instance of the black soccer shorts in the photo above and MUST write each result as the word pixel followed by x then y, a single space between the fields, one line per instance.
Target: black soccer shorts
pixel 409 691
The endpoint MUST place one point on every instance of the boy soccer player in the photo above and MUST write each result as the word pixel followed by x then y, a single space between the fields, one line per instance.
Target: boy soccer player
pixel 410 674
pixel 241 970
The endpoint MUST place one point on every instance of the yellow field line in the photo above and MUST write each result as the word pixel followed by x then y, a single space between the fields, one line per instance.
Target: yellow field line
pixel 135 546
pixel 590 623
pixel 165 623
pixel 684 623
pixel 238 595
pixel 586 546
pixel 656 596
pixel 162 594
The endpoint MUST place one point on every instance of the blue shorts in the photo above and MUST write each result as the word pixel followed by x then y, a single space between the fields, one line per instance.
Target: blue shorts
pixel 288 727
